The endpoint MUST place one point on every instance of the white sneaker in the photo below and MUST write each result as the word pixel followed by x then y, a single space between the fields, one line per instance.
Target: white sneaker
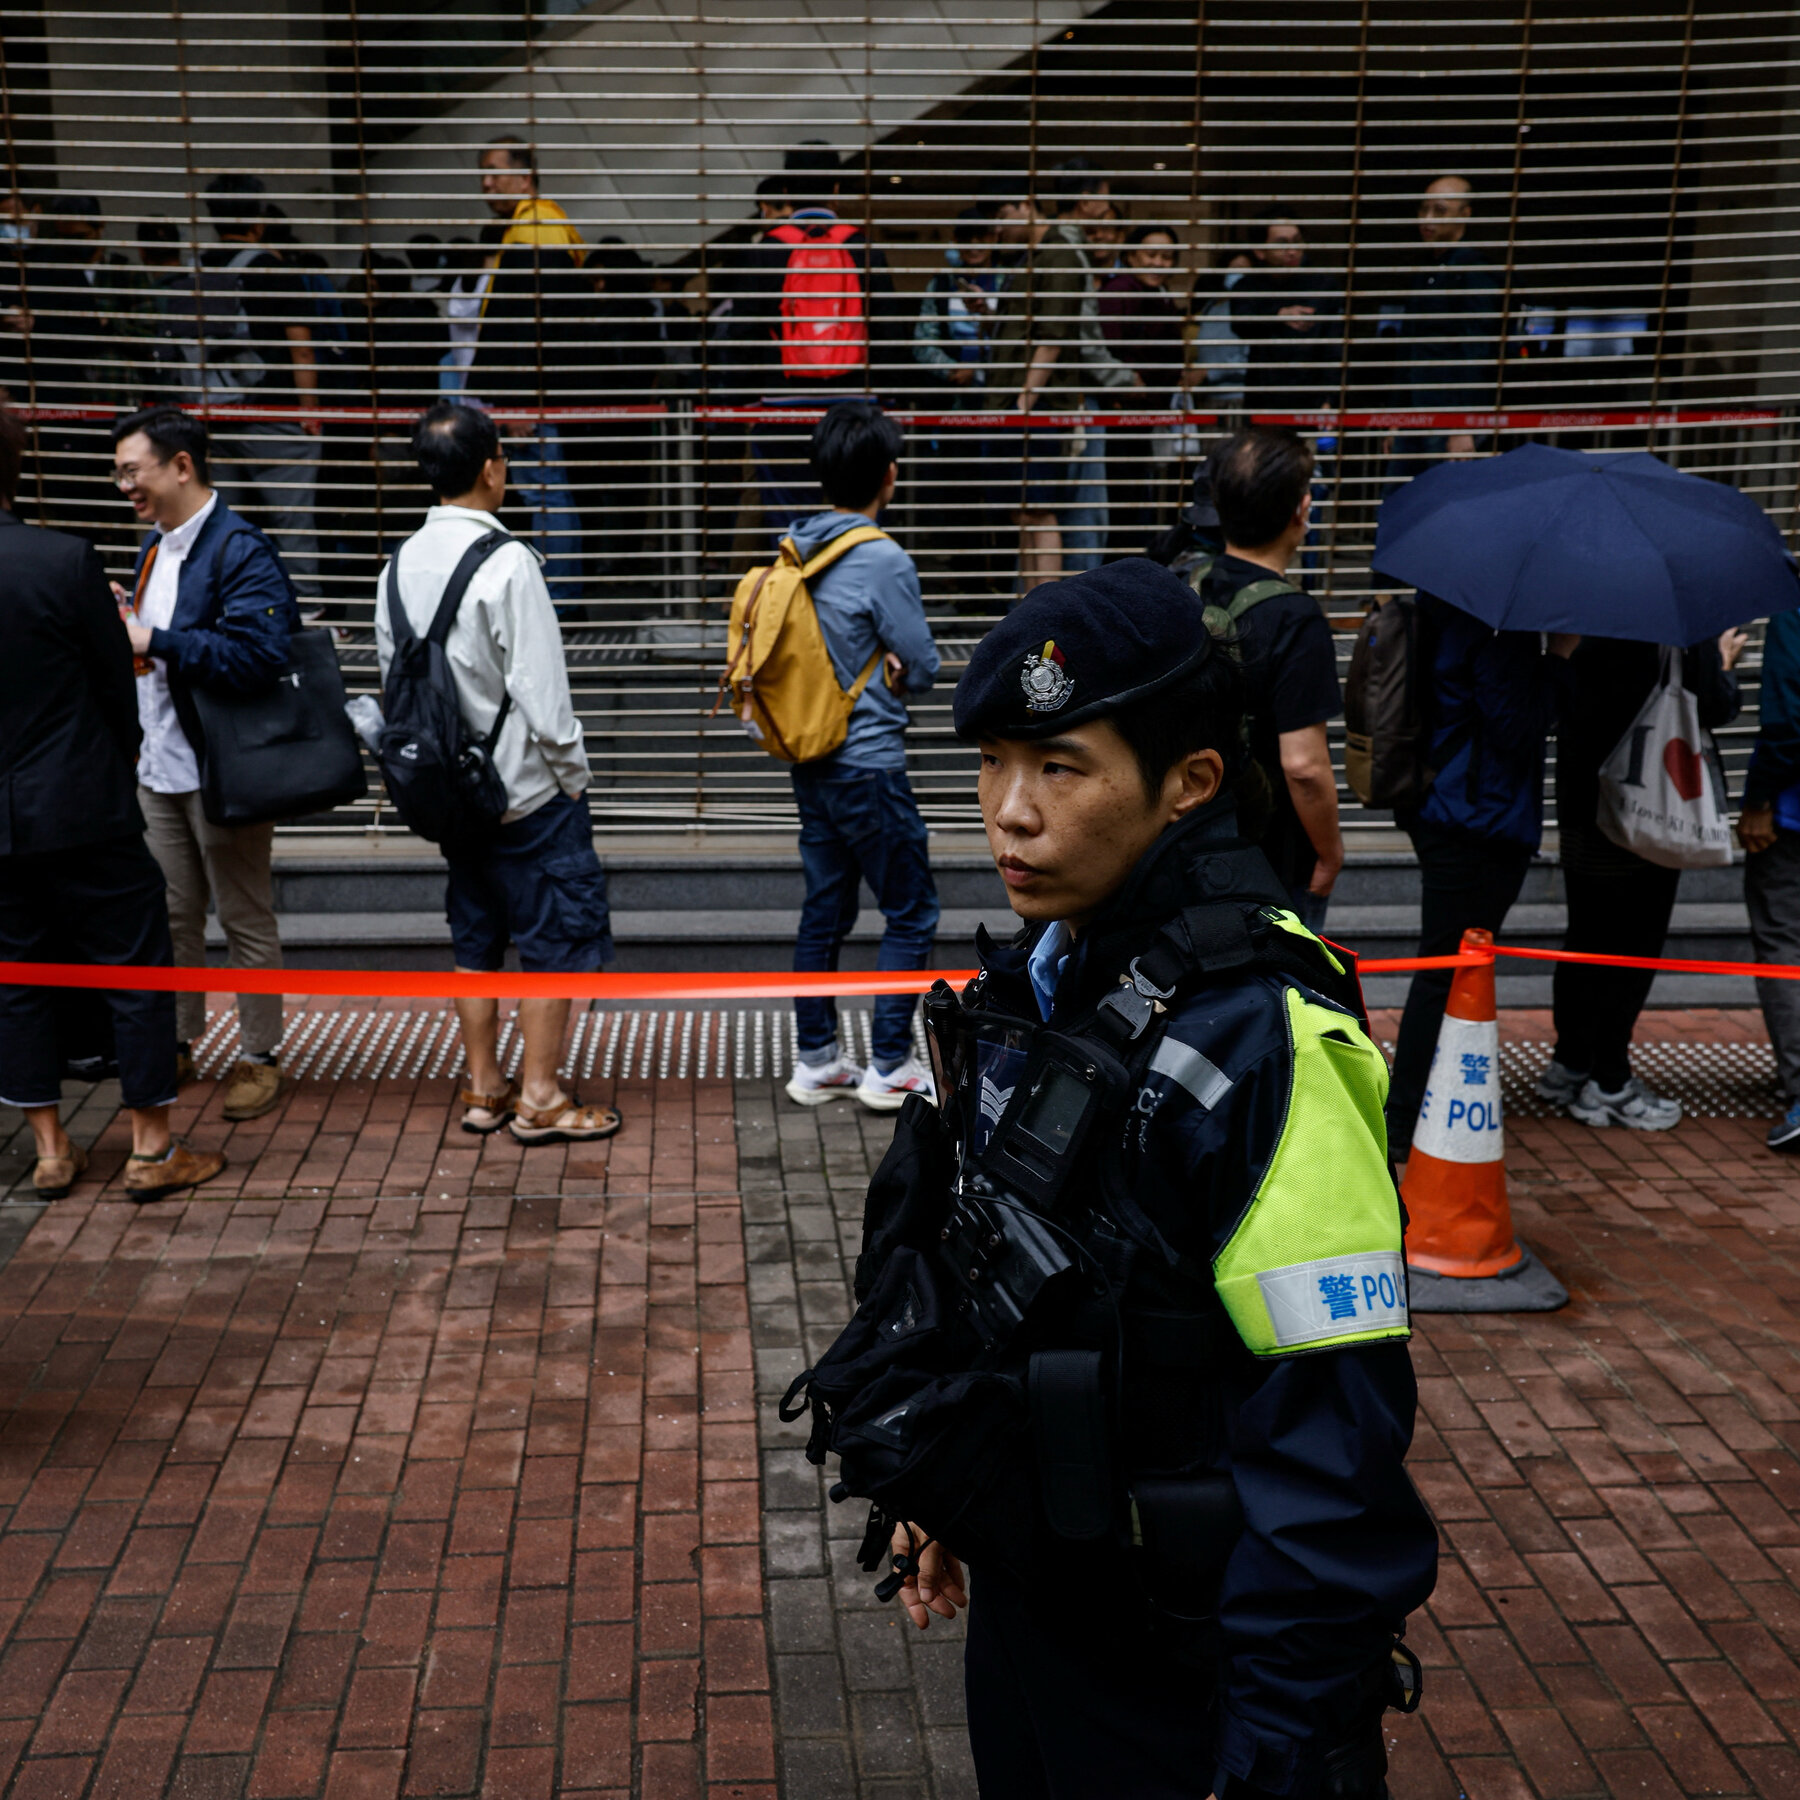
pixel 887 1093
pixel 815 1083
pixel 1559 1084
pixel 1633 1106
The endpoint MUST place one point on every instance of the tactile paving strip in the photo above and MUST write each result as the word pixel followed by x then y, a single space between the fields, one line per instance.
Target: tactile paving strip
pixel 672 1043
pixel 1712 1081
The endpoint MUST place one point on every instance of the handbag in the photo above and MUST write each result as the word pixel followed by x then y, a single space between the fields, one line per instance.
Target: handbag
pixel 1662 789
pixel 286 749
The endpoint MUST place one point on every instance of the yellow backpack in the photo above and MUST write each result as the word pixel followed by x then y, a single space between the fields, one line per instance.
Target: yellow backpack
pixel 780 678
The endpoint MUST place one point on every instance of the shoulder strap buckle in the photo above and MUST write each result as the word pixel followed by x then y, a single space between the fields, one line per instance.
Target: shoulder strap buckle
pixel 1146 986
pixel 1135 1002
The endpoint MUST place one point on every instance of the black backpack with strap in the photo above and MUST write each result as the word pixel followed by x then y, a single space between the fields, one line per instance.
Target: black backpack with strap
pixel 1222 620
pixel 440 776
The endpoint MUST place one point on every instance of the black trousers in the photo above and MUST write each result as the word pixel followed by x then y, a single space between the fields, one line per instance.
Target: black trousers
pixel 1081 1709
pixel 1465 882
pixel 98 903
pixel 1620 905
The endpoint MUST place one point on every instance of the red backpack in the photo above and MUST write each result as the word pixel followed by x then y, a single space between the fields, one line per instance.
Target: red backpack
pixel 823 326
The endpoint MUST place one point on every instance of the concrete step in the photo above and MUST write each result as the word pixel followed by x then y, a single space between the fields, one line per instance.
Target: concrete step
pixel 762 938
pixel 356 901
pixel 404 878
pixel 741 938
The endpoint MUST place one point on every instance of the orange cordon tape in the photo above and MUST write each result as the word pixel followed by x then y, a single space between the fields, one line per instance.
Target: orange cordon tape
pixel 425 984
pixel 1671 965
pixel 505 985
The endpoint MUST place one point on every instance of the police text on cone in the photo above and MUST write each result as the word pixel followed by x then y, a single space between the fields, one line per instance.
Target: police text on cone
pixel 1455 1188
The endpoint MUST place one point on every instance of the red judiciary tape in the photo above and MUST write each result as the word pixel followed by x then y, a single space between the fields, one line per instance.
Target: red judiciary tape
pixel 737 985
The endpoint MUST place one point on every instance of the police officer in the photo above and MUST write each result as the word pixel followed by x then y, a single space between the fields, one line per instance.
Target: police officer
pixel 1132 1339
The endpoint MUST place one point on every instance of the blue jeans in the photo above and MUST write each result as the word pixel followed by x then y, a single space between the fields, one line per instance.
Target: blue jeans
pixel 540 477
pixel 856 825
pixel 1083 519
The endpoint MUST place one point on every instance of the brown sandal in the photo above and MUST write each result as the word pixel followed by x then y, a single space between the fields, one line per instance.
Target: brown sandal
pixel 568 1122
pixel 55 1175
pixel 500 1106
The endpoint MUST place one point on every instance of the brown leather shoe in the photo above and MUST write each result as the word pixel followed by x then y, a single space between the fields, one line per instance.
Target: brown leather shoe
pixel 148 1178
pixel 55 1175
pixel 252 1089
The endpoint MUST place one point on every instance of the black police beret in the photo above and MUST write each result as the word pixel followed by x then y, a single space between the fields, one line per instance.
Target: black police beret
pixel 1072 650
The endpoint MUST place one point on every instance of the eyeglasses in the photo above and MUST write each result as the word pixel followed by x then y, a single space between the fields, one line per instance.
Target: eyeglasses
pixel 126 474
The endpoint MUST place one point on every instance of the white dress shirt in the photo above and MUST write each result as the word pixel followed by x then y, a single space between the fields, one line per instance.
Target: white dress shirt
pixel 505 641
pixel 166 763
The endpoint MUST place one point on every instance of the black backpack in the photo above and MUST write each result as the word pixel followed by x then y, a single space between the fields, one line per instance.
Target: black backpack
pixel 440 776
pixel 1385 732
pixel 1222 621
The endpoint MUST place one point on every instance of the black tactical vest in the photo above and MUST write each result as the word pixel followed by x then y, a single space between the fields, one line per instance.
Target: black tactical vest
pixel 1030 1366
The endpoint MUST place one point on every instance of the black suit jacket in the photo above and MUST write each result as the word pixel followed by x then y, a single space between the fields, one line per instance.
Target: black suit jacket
pixel 68 700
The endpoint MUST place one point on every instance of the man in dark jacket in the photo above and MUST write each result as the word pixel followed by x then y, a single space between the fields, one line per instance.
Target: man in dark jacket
pixel 1619 903
pixel 1261 485
pixel 1769 830
pixel 76 883
pixel 269 466
pixel 538 347
pixel 1449 331
pixel 1291 315
pixel 211 607
pixel 1491 701
pixel 1229 1631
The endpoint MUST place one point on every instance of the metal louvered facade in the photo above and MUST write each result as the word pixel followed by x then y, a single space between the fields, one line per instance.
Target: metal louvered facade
pixel 1631 194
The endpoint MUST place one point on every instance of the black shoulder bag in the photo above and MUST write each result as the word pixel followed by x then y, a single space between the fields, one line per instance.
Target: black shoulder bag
pixel 283 750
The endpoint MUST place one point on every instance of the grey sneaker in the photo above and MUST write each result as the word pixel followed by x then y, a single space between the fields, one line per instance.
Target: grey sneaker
pixel 1633 1106
pixel 1559 1084
pixel 1784 1134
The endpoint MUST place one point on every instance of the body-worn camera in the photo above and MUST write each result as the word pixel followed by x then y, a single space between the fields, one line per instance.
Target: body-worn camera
pixel 1065 1087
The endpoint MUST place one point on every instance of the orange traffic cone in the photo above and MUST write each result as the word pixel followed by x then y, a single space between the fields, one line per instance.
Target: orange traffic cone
pixel 1461 1254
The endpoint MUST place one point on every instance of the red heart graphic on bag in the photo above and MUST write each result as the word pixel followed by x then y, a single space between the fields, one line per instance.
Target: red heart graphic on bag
pixel 1685 767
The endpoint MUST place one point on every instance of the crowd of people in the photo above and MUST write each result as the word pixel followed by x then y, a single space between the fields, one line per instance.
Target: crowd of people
pixel 129 871
pixel 1049 298
pixel 111 855
pixel 1049 301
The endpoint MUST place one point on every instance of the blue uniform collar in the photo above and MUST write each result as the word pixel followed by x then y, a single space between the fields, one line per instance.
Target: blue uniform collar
pixel 1049 957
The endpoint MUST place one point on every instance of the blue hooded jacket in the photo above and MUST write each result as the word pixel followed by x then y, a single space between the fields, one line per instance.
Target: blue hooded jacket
pixel 869 599
pixel 1491 703
pixel 1774 777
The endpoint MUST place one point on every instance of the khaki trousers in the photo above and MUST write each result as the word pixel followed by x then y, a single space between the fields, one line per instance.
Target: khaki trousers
pixel 230 867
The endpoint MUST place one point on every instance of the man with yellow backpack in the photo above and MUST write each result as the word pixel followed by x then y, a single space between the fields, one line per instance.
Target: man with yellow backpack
pixel 824 642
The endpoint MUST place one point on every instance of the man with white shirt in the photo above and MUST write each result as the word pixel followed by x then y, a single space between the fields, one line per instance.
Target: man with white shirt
pixel 534 880
pixel 210 606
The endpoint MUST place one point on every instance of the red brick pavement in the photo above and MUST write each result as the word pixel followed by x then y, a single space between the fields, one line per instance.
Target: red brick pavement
pixel 1618 1485
pixel 307 1488
pixel 394 1463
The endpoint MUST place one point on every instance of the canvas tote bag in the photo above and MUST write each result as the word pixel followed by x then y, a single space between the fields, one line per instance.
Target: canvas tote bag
pixel 1662 790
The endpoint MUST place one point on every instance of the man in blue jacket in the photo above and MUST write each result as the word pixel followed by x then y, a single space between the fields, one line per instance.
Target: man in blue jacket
pixel 858 818
pixel 1490 704
pixel 1769 830
pixel 211 606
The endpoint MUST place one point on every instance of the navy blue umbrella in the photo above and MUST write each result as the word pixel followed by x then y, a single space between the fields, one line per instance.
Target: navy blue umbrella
pixel 1618 546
